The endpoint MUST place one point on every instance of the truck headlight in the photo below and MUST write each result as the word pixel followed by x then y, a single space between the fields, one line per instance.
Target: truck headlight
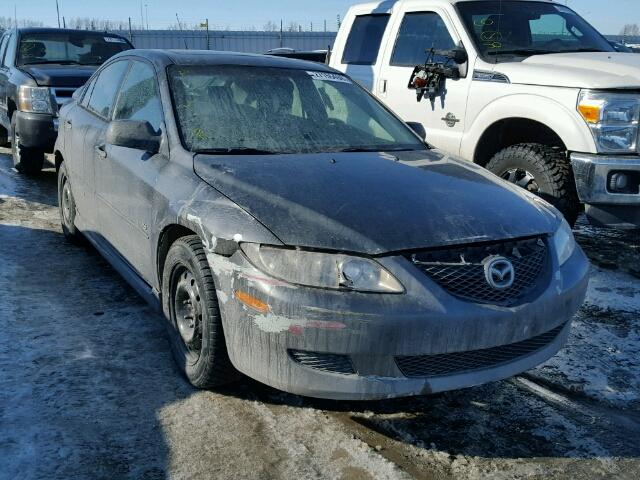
pixel 563 242
pixel 35 100
pixel 322 270
pixel 613 119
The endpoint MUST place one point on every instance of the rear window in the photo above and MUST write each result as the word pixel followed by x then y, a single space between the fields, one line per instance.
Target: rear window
pixel 69 48
pixel 364 39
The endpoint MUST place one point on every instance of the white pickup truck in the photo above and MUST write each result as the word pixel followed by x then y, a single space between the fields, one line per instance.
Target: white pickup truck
pixel 539 96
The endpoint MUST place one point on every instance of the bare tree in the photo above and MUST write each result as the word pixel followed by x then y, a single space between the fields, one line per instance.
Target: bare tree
pixel 631 30
pixel 271 26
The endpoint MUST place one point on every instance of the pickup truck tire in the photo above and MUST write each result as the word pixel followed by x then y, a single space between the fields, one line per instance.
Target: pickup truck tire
pixel 542 170
pixel 67 207
pixel 194 325
pixel 25 160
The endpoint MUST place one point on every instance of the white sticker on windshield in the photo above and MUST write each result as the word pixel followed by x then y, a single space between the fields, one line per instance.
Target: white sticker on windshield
pixel 114 40
pixel 329 77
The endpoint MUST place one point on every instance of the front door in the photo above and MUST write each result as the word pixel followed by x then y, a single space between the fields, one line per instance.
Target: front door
pixel 126 177
pixel 415 32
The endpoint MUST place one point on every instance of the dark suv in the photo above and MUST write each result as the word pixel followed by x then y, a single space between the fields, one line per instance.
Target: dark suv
pixel 40 69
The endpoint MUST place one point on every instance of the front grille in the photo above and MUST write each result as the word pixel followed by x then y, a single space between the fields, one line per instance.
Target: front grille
pixel 463 362
pixel 461 271
pixel 327 362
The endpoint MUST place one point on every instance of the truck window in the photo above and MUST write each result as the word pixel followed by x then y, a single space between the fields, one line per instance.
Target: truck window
pixel 364 39
pixel 105 89
pixel 419 32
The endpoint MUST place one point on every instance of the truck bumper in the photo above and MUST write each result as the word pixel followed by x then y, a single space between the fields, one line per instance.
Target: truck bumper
pixel 37 130
pixel 610 187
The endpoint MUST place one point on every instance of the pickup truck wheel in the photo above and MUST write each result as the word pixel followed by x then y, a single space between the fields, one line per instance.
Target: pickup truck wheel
pixel 542 170
pixel 26 160
pixel 191 307
pixel 67 207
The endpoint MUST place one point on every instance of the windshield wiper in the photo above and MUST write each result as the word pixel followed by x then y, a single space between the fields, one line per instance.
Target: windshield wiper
pixel 58 62
pixel 237 151
pixel 372 149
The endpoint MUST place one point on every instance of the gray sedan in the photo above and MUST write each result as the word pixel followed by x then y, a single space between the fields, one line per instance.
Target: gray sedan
pixel 293 229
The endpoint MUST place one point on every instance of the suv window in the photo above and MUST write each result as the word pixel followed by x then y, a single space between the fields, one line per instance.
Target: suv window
pixel 364 39
pixel 419 32
pixel 3 46
pixel 105 89
pixel 69 48
pixel 139 98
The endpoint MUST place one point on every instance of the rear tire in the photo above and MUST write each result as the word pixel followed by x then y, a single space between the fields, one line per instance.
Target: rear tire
pixel 194 324
pixel 28 161
pixel 67 207
pixel 542 170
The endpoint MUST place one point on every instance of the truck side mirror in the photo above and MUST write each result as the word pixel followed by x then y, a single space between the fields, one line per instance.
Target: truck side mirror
pixel 459 55
pixel 133 134
pixel 418 128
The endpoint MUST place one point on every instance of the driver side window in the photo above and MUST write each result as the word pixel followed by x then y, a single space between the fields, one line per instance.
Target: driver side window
pixel 552 27
pixel 139 97
pixel 419 32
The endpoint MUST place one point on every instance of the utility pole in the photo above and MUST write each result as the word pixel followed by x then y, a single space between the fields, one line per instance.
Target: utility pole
pixel 58 12
pixel 325 26
pixel 281 26
pixel 130 32
pixel 64 23
pixel 141 18
pixel 146 9
pixel 15 15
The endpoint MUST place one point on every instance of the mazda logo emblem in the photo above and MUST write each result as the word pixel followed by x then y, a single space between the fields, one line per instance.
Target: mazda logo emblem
pixel 499 272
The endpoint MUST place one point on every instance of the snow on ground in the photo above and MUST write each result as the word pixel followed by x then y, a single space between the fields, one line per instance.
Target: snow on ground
pixel 88 388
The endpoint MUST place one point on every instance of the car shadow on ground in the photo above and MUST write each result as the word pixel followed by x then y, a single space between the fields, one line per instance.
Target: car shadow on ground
pixel 499 420
pixel 85 366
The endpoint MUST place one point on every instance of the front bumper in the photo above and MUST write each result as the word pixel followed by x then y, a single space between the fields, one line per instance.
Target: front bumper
pixel 607 206
pixel 37 130
pixel 374 329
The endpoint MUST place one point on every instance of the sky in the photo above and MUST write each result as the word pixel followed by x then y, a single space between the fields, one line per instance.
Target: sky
pixel 608 16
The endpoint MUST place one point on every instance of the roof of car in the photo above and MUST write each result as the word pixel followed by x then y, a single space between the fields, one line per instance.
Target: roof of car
pixel 212 57
pixel 64 30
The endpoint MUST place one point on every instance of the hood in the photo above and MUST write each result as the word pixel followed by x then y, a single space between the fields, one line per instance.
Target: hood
pixel 576 70
pixel 372 203
pixel 60 75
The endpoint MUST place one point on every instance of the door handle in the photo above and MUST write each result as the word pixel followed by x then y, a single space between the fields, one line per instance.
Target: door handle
pixel 100 150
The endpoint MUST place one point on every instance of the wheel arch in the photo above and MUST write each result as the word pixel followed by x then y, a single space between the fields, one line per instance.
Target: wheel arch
pixel 539 115
pixel 168 236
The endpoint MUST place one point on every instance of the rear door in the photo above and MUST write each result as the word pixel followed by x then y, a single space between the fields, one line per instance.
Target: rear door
pixel 361 53
pixel 126 177
pixel 414 31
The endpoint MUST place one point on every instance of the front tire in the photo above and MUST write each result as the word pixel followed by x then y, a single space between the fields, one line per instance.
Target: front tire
pixel 28 161
pixel 194 324
pixel 542 170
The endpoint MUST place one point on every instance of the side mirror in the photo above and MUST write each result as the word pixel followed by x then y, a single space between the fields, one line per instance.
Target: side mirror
pixel 459 55
pixel 418 128
pixel 133 134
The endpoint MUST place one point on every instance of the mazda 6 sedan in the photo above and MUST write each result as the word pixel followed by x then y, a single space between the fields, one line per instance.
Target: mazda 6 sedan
pixel 293 229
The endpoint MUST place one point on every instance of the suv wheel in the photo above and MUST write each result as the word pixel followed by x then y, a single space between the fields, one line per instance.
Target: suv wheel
pixel 191 307
pixel 542 170
pixel 26 160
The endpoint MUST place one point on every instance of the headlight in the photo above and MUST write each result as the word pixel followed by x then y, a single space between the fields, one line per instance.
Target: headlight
pixel 563 242
pixel 613 119
pixel 35 100
pixel 322 270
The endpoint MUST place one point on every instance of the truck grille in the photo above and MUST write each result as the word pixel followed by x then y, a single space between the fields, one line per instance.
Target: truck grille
pixel 327 362
pixel 461 270
pixel 463 362
pixel 62 95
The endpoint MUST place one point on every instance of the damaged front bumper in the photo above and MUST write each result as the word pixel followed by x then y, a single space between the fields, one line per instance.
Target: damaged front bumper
pixel 349 345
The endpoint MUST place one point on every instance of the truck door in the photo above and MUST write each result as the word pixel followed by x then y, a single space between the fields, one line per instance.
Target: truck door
pixel 411 35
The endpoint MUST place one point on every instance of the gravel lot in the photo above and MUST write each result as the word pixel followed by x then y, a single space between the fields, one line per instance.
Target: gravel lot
pixel 88 388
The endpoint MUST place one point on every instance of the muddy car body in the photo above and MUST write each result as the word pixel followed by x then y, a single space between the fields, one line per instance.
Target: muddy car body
pixel 337 272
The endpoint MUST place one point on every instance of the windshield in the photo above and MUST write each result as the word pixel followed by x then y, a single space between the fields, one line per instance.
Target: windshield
pixel 68 48
pixel 504 29
pixel 256 110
